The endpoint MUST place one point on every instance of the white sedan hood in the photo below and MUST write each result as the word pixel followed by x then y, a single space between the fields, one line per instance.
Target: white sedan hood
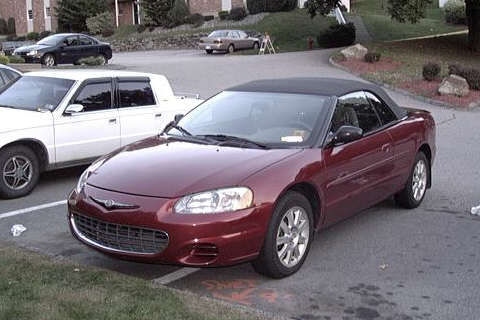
pixel 16 119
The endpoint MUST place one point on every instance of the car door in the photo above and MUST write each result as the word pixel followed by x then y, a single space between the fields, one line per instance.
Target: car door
pixel 357 173
pixel 247 43
pixel 92 132
pixel 234 39
pixel 140 114
pixel 69 50
pixel 86 47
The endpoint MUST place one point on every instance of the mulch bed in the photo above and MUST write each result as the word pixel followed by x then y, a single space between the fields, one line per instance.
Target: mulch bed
pixel 429 89
pixel 361 67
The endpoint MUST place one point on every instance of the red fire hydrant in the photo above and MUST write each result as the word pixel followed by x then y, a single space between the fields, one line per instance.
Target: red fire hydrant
pixel 310 43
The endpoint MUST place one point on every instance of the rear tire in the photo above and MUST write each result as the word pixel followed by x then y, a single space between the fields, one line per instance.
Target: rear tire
pixel 19 171
pixel 288 238
pixel 415 189
pixel 105 60
pixel 256 46
pixel 209 51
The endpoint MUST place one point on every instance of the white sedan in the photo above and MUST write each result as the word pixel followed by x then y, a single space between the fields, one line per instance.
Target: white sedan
pixel 57 119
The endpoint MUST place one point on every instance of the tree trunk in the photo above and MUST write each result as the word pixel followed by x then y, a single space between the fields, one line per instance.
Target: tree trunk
pixel 473 17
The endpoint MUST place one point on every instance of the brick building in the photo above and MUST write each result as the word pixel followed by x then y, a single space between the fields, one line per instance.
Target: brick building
pixel 30 15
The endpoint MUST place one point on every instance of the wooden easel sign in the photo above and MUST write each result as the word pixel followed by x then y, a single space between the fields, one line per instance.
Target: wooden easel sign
pixel 267 45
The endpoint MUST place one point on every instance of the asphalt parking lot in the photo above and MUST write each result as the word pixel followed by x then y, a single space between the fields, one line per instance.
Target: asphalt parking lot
pixel 385 263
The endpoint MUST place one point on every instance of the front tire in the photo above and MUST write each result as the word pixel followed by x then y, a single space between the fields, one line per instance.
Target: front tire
pixel 415 189
pixel 288 238
pixel 19 172
pixel 209 51
pixel 231 48
pixel 49 60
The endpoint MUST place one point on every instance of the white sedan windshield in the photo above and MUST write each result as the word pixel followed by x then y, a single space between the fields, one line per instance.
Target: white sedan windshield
pixel 34 93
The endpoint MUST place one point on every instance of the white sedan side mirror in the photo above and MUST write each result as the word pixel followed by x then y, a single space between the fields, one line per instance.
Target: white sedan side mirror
pixel 74 108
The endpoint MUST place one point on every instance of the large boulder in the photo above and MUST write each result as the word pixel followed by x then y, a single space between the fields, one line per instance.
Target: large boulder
pixel 454 85
pixel 355 52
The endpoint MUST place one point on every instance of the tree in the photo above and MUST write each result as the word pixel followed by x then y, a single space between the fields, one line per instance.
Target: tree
pixel 72 14
pixel 411 11
pixel 156 11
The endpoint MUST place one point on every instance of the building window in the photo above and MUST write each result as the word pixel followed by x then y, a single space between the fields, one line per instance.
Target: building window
pixel 48 12
pixel 30 14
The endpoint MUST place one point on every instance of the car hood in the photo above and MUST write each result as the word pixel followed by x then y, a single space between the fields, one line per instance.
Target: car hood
pixel 157 167
pixel 16 119
pixel 30 48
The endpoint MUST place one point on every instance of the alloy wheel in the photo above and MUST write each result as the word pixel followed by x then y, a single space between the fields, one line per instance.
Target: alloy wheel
pixel 293 236
pixel 17 172
pixel 49 61
pixel 419 180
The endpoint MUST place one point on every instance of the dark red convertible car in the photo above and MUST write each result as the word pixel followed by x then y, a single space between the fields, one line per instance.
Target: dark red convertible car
pixel 251 173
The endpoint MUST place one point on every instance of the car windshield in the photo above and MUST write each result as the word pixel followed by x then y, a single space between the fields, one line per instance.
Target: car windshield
pixel 270 119
pixel 51 40
pixel 34 93
pixel 218 34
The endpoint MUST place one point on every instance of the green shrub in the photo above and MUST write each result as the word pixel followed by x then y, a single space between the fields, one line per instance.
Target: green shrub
pixel 223 15
pixel 195 19
pixel 141 28
pixel 257 6
pixel 11 26
pixel 208 18
pixel 472 75
pixel 3 26
pixel 372 57
pixel 20 38
pixel 16 59
pixel 431 71
pixel 102 23
pixel 45 34
pixel 178 13
pixel 238 14
pixel 4 59
pixel 455 12
pixel 33 36
pixel 338 35
pixel 91 61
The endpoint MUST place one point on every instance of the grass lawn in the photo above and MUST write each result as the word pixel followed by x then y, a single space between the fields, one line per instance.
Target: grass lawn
pixel 289 30
pixel 34 287
pixel 382 28
pixel 402 64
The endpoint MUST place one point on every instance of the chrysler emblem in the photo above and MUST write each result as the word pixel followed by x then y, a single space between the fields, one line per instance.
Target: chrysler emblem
pixel 112 204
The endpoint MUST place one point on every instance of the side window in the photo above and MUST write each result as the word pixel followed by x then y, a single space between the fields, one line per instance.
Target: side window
pixel 2 80
pixel 71 41
pixel 95 97
pixel 84 41
pixel 243 35
pixel 384 112
pixel 355 110
pixel 135 94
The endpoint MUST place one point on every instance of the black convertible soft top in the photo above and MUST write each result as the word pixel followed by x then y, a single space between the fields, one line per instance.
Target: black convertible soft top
pixel 330 87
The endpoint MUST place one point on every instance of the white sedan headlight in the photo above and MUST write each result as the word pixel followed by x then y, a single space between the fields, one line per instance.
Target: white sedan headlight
pixel 216 201
pixel 86 174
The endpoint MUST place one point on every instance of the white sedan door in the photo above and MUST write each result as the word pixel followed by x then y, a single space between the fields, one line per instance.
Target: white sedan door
pixel 141 116
pixel 92 132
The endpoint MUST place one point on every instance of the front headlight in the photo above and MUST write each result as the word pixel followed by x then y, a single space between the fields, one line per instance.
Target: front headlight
pixel 216 201
pixel 86 174
pixel 32 53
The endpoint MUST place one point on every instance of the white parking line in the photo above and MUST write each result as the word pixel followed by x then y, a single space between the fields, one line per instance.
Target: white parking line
pixel 174 276
pixel 31 209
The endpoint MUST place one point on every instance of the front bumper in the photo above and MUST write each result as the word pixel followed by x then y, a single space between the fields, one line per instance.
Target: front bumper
pixel 191 240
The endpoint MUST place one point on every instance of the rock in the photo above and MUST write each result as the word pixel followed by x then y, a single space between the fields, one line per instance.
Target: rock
pixel 454 85
pixel 355 52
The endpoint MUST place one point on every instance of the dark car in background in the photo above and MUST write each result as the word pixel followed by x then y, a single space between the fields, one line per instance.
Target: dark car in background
pixel 65 48
pixel 7 76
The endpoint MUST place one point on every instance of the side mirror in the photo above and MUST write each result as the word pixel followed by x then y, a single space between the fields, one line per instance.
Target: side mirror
pixel 346 134
pixel 73 109
pixel 178 117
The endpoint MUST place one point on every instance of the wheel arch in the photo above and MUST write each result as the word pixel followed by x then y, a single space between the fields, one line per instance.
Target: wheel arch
pixel 36 146
pixel 312 195
pixel 425 148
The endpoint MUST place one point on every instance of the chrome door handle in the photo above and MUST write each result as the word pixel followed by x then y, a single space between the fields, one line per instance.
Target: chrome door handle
pixel 158 115
pixel 112 121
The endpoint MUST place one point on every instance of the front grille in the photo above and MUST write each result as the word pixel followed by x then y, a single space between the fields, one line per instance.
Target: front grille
pixel 121 237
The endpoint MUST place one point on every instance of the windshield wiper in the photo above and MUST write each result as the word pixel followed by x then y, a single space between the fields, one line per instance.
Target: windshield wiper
pixel 226 139
pixel 174 125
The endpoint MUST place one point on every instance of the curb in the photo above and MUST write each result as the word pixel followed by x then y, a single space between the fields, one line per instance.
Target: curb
pixel 406 93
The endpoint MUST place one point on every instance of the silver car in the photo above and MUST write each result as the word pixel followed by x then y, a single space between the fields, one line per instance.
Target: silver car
pixel 228 41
